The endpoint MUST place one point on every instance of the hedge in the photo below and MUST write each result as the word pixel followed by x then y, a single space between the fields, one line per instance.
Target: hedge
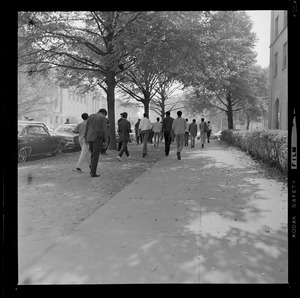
pixel 270 146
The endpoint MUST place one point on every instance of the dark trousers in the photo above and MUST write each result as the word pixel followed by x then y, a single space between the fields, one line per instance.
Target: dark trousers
pixel 168 139
pixel 208 136
pixel 186 139
pixel 124 148
pixel 119 146
pixel 103 151
pixel 95 147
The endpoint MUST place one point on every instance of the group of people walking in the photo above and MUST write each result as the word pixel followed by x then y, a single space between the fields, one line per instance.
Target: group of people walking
pixel 94 136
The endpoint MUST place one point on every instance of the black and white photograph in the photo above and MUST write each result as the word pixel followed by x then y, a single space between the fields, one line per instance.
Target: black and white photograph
pixel 153 147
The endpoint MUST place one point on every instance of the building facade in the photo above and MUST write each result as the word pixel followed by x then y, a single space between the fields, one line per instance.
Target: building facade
pixel 278 95
pixel 65 104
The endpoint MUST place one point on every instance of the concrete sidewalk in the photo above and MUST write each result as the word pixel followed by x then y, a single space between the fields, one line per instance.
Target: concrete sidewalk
pixel 207 218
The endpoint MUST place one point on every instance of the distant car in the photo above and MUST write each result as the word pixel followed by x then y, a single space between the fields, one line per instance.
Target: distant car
pixel 72 138
pixel 35 139
pixel 217 135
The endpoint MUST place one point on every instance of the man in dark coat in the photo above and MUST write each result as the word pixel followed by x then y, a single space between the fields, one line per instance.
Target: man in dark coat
pixel 124 128
pixel 167 131
pixel 97 137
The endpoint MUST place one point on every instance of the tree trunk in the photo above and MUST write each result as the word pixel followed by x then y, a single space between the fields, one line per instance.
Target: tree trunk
pixel 111 84
pixel 146 107
pixel 146 103
pixel 229 111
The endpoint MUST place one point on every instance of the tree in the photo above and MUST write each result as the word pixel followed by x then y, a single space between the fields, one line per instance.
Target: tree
pixel 224 82
pixel 165 99
pixel 86 48
pixel 257 110
pixel 171 39
pixel 34 92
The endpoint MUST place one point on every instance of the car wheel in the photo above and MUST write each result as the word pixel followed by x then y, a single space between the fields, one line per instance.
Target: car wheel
pixel 58 150
pixel 22 156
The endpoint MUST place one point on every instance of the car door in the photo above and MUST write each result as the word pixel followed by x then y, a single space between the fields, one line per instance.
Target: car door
pixel 47 143
pixel 34 139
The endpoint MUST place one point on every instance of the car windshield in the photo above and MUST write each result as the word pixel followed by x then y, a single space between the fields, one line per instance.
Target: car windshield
pixel 21 129
pixel 68 129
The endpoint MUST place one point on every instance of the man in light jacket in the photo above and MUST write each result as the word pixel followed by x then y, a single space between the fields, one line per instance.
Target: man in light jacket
pixel 145 126
pixel 179 127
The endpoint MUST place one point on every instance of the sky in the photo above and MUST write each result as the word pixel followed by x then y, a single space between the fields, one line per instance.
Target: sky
pixel 261 27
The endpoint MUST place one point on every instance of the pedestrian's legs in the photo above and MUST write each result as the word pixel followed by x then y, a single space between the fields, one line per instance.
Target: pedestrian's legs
pixel 167 137
pixel 203 136
pixel 177 138
pixel 208 136
pixel 186 139
pixel 156 138
pixel 83 154
pixel 95 149
pixel 119 146
pixel 181 142
pixel 192 141
pixel 145 136
pixel 124 148
pixel 137 138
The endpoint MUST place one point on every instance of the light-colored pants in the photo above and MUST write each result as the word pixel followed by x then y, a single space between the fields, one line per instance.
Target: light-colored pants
pixel 156 138
pixel 84 153
pixel 179 142
pixel 203 137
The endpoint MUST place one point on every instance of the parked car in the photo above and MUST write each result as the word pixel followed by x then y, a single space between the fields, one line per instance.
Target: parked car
pixel 34 139
pixel 72 138
pixel 217 135
pixel 36 122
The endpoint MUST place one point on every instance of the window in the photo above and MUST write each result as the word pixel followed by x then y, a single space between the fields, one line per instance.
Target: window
pixel 284 56
pixel 276 26
pixel 275 63
pixel 37 130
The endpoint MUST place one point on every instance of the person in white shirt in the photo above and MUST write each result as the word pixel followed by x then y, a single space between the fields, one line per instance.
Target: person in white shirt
pixel 145 126
pixel 179 127
pixel 80 128
pixel 203 132
pixel 157 131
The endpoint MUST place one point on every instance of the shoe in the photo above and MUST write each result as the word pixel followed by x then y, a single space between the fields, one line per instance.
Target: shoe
pixel 119 158
pixel 144 155
pixel 95 175
pixel 78 170
pixel 179 156
pixel 202 146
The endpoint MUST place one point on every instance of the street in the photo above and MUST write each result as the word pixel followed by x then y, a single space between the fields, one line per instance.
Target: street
pixel 212 217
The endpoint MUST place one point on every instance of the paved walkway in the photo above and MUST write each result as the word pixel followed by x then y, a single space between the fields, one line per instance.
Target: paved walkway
pixel 207 218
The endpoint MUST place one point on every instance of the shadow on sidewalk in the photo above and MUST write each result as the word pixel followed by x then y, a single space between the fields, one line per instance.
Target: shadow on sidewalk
pixel 229 226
